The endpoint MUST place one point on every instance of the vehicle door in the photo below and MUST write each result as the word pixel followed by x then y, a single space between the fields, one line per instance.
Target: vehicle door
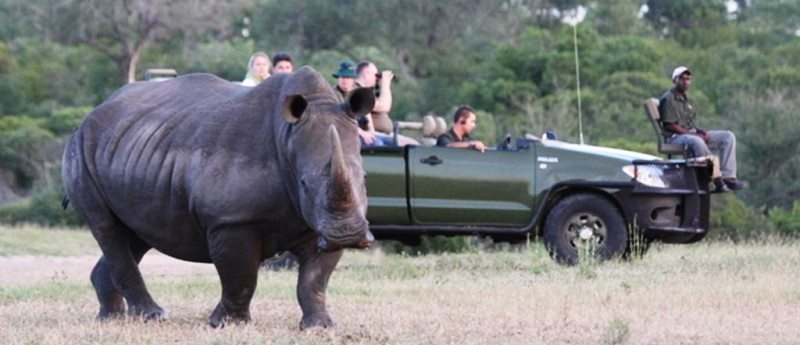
pixel 449 186
pixel 386 185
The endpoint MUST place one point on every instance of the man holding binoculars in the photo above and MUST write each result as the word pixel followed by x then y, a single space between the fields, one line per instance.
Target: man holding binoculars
pixel 378 122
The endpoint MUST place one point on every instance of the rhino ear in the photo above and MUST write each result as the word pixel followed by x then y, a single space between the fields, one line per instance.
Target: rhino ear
pixel 293 108
pixel 360 102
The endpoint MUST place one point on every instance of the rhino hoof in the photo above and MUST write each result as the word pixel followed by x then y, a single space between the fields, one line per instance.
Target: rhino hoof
pixel 317 320
pixel 221 322
pixel 156 316
pixel 110 315
pixel 149 314
pixel 220 317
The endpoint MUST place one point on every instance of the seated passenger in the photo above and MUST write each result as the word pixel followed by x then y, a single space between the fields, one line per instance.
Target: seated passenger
pixel 679 121
pixel 345 83
pixel 463 124
pixel 345 80
pixel 258 69
pixel 378 123
pixel 283 63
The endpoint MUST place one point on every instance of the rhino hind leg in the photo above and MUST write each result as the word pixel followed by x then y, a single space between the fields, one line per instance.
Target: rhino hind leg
pixel 237 264
pixel 149 309
pixel 314 273
pixel 112 304
pixel 117 275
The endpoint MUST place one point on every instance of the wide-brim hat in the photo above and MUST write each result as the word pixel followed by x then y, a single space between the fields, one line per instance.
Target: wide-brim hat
pixel 346 70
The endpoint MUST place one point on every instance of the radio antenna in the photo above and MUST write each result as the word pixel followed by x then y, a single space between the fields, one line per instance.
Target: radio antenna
pixel 578 80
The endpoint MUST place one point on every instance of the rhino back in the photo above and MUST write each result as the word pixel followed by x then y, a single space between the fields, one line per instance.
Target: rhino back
pixel 186 155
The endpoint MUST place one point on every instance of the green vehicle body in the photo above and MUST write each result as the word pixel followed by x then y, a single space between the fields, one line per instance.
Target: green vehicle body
pixel 508 192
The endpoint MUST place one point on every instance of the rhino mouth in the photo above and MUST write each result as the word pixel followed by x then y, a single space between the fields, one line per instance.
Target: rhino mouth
pixel 361 241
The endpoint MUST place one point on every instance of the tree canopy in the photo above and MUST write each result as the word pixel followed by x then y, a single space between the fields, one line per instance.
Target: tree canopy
pixel 512 60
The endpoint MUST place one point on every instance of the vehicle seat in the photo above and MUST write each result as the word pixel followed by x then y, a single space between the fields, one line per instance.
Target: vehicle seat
pixel 432 128
pixel 651 110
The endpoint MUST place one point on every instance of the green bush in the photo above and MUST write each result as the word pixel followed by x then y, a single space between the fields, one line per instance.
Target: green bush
pixel 43 208
pixel 787 221
pixel 732 220
pixel 65 120
pixel 434 245
pixel 21 140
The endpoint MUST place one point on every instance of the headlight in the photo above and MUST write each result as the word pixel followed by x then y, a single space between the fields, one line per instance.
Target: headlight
pixel 648 175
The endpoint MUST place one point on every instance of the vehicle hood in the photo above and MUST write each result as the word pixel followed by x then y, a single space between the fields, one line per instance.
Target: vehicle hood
pixel 599 151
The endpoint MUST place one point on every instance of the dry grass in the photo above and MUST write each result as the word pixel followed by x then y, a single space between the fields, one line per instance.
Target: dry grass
pixel 712 293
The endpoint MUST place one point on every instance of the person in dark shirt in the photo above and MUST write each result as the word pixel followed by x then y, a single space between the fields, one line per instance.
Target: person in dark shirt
pixel 678 119
pixel 458 136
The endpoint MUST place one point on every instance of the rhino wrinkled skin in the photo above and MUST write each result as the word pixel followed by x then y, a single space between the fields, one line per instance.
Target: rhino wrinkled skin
pixel 205 170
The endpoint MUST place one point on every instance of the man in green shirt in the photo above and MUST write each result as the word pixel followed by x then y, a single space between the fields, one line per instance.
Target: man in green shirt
pixel 678 120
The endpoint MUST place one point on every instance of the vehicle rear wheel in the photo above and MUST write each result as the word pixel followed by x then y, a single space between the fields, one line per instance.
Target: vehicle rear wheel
pixel 584 225
pixel 281 261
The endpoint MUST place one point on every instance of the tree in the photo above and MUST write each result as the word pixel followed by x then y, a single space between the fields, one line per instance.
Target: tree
pixel 767 124
pixel 10 93
pixel 690 22
pixel 616 17
pixel 123 30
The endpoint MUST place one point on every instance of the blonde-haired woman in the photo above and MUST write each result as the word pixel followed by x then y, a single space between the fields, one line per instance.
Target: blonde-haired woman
pixel 258 69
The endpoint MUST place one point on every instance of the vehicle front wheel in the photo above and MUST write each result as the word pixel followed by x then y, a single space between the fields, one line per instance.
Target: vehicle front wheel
pixel 582 226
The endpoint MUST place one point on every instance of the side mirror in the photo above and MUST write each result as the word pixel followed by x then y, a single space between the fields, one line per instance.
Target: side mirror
pixel 505 144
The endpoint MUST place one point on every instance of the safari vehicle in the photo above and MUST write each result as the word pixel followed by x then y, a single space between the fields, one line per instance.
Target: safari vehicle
pixel 577 198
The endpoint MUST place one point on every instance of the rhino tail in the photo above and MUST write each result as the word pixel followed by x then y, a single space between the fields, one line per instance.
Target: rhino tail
pixel 65 202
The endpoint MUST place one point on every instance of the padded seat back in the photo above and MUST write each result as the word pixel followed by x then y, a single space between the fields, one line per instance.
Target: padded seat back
pixel 651 110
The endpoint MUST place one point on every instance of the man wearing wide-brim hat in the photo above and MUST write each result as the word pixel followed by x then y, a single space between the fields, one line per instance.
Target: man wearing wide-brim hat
pixel 345 83
pixel 345 79
pixel 678 119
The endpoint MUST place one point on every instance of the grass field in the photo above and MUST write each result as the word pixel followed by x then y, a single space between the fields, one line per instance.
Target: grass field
pixel 710 293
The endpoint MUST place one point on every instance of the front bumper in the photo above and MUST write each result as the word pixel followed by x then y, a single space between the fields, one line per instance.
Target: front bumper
pixel 678 213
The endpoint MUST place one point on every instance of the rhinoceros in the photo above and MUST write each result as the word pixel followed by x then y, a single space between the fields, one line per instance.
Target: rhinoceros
pixel 206 170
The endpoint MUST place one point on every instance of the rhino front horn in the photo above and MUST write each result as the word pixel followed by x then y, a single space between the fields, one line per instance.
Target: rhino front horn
pixel 339 190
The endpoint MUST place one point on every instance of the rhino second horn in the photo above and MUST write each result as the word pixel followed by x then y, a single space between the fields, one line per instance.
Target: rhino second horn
pixel 340 192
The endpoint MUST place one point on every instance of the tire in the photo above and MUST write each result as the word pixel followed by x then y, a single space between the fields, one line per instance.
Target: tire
pixel 584 224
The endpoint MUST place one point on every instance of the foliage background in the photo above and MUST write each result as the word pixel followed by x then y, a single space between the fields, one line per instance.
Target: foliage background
pixel 512 60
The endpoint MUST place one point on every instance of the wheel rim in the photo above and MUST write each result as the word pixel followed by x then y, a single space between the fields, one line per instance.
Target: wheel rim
pixel 585 231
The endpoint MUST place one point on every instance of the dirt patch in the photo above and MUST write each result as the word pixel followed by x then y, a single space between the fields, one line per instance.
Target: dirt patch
pixel 26 270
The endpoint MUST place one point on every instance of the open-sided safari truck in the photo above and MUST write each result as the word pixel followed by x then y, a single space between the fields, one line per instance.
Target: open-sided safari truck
pixel 578 198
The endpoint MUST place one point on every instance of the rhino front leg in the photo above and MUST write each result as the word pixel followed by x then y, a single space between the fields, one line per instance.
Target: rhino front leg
pixel 315 271
pixel 237 255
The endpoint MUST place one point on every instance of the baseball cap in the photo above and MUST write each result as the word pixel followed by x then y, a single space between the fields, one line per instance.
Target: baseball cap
pixel 679 71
